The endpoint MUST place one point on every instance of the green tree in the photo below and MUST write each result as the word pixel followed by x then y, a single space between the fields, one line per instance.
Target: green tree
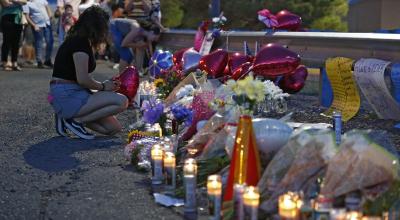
pixel 242 14
pixel 172 13
pixel 195 11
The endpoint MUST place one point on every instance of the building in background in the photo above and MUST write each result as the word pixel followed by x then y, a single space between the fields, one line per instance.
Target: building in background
pixel 373 15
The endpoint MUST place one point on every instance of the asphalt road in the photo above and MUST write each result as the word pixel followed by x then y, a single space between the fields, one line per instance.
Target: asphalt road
pixel 44 176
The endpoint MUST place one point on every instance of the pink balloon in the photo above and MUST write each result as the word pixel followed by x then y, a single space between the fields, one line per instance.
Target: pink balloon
pixel 236 60
pixel 295 81
pixel 288 21
pixel 190 60
pixel 177 58
pixel 129 82
pixel 214 63
pixel 274 60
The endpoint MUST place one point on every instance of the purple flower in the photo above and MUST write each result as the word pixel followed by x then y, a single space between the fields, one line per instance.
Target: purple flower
pixel 152 110
pixel 182 114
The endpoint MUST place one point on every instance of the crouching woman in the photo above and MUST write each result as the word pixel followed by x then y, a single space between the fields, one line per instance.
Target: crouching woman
pixel 71 96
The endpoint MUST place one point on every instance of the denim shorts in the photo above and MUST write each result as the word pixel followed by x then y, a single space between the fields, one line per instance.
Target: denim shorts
pixel 68 99
pixel 125 53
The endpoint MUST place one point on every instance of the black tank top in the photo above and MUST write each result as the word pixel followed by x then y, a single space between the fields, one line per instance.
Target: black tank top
pixel 64 67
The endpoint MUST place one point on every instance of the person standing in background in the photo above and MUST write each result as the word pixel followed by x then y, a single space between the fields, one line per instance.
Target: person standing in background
pixel 11 24
pixel 38 15
pixel 58 14
pixel 68 19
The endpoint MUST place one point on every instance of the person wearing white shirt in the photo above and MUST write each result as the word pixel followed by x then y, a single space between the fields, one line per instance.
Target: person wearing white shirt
pixel 38 15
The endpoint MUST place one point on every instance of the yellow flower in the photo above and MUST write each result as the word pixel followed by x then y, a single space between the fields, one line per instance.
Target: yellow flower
pixel 159 82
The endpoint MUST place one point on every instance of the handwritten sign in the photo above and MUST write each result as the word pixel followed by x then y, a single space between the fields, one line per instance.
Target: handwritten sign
pixel 207 44
pixel 369 74
pixel 345 95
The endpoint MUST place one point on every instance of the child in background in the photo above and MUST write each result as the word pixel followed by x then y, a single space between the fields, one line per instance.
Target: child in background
pixel 68 19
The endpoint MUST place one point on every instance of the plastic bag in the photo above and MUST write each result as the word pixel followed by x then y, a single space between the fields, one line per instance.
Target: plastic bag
pixel 296 165
pixel 360 163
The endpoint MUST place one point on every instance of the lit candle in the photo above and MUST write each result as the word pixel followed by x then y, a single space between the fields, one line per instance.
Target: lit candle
pixel 338 214
pixel 190 174
pixel 353 215
pixel 214 191
pixel 170 170
pixel 157 154
pixel 251 200
pixel 371 218
pixel 238 210
pixel 288 206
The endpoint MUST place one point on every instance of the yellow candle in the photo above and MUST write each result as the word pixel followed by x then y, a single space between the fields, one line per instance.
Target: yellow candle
pixel 214 185
pixel 353 215
pixel 157 152
pixel 190 167
pixel 169 160
pixel 288 206
pixel 251 197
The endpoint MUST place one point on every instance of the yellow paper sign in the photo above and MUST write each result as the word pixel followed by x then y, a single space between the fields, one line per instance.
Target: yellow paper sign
pixel 345 94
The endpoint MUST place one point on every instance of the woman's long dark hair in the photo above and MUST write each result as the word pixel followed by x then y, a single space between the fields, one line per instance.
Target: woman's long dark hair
pixel 93 25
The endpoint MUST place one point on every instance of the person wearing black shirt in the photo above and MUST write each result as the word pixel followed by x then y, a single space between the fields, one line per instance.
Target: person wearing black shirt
pixel 76 107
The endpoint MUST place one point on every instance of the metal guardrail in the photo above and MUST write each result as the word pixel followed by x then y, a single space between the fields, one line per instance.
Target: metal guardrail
pixel 313 47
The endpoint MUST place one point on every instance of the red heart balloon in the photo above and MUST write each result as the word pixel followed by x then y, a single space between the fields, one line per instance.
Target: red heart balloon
pixel 177 58
pixel 294 82
pixel 275 60
pixel 214 63
pixel 129 82
pixel 288 21
pixel 242 71
pixel 236 60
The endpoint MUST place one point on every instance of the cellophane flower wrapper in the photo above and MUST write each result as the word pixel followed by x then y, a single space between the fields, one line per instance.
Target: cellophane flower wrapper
pixel 189 80
pixel 201 109
pixel 211 129
pixel 297 165
pixel 361 163
pixel 142 158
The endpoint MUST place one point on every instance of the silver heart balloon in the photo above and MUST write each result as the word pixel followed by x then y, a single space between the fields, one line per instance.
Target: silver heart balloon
pixel 190 60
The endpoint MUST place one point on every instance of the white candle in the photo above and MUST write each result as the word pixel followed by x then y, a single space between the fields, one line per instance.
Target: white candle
pixel 170 170
pixel 251 201
pixel 288 206
pixel 190 173
pixel 157 154
pixel 238 201
pixel 214 191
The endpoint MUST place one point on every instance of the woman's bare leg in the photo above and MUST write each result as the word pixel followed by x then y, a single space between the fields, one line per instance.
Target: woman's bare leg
pixel 107 126
pixel 101 105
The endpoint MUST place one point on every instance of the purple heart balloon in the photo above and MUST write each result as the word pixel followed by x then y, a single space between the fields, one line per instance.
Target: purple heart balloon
pixel 190 60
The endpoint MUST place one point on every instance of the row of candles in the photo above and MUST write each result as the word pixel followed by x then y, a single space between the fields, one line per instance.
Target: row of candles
pixel 164 172
pixel 246 198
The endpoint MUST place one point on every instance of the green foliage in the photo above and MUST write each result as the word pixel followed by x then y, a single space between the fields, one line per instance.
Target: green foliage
pixel 384 202
pixel 242 14
pixel 172 13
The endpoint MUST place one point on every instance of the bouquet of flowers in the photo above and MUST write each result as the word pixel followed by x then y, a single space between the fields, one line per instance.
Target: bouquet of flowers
pixel 182 114
pixel 246 93
pixel 167 82
pixel 153 112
